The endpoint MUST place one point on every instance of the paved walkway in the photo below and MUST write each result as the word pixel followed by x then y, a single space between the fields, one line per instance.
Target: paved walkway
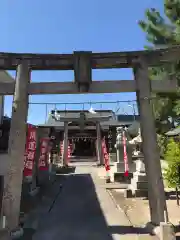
pixel 84 211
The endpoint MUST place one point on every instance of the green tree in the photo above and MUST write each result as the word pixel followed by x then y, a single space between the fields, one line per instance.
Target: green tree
pixel 172 157
pixel 163 32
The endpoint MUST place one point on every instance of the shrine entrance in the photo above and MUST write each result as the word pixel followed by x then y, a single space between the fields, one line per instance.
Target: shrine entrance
pixel 82 63
pixel 84 147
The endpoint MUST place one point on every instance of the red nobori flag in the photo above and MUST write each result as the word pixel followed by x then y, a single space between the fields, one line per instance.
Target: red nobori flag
pixel 30 150
pixel 106 155
pixel 44 151
pixel 126 166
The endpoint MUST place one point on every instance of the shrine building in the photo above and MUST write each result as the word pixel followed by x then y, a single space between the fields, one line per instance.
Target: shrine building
pixel 82 128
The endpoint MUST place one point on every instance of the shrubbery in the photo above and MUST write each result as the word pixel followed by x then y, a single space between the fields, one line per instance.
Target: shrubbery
pixel 162 143
pixel 172 156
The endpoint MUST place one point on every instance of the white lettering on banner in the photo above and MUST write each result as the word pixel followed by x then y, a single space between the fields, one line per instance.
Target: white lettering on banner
pixel 42 162
pixel 42 157
pixel 32 135
pixel 44 144
pixel 32 146
pixel 29 165
pixel 25 159
pixel 30 155
pixel 43 150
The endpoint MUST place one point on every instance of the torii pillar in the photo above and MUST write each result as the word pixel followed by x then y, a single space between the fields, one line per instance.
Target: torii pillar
pixel 156 194
pixel 17 140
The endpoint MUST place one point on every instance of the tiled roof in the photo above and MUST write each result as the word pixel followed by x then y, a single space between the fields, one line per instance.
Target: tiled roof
pixel 128 118
pixel 51 122
pixel 174 132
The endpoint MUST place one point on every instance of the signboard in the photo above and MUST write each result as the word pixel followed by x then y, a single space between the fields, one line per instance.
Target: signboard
pixel 30 150
pixel 44 151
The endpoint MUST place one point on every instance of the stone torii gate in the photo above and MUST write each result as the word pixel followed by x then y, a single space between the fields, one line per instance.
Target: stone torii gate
pixel 82 63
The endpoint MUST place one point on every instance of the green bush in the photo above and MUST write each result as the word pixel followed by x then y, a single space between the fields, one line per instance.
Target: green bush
pixel 162 143
pixel 172 156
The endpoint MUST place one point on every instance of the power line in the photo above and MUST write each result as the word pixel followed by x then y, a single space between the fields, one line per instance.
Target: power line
pixel 81 103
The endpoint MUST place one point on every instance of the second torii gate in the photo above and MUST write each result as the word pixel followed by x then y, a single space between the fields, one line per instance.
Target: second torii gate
pixel 81 120
pixel 82 63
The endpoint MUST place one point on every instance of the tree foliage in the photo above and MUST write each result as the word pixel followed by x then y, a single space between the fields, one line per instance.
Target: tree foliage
pixel 163 31
pixel 172 156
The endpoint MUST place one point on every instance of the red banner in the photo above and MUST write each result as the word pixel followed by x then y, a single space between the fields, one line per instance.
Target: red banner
pixel 44 151
pixel 30 150
pixel 126 166
pixel 68 153
pixel 61 148
pixel 106 155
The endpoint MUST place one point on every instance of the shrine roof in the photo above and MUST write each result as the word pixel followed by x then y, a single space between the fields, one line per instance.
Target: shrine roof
pixel 174 132
pixel 121 120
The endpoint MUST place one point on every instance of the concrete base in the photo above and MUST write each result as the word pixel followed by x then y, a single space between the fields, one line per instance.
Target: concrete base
pixel 119 167
pixel 108 180
pixel 139 181
pixel 34 191
pixel 100 165
pixel 129 193
pixel 17 233
pixel 139 184
pixel 120 177
pixel 112 158
pixel 164 232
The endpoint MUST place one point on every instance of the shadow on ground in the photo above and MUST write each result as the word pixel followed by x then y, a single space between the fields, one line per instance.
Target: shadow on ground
pixel 77 214
pixel 66 170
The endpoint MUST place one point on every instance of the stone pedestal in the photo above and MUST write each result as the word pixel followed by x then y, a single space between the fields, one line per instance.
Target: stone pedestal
pixel 119 172
pixel 139 184
pixel 112 158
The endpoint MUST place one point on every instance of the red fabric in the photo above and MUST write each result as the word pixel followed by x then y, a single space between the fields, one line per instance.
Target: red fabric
pixel 68 153
pixel 44 150
pixel 106 156
pixel 126 166
pixel 30 150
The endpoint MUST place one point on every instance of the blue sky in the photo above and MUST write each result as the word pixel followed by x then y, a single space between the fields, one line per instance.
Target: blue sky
pixel 64 26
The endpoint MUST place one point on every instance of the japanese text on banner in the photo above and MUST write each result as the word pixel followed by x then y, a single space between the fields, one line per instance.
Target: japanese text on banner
pixel 30 150
pixel 43 159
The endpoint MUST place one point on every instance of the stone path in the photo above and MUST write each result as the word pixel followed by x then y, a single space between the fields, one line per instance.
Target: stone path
pixel 84 211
